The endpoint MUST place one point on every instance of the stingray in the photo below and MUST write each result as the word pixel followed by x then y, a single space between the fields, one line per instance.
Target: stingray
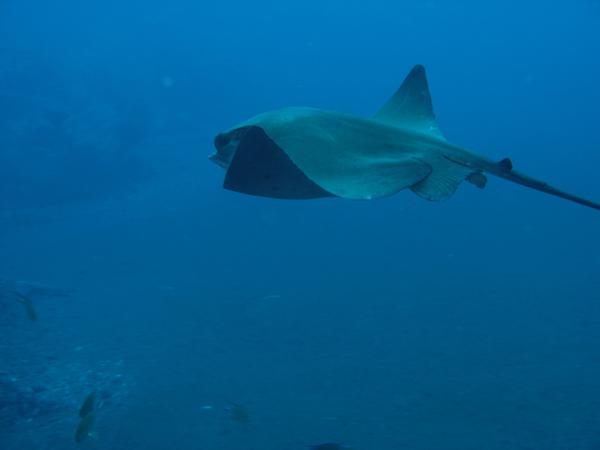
pixel 304 153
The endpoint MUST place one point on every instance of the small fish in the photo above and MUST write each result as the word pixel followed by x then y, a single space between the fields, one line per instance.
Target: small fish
pixel 271 297
pixel 238 413
pixel 29 309
pixel 84 429
pixel 89 405
pixel 328 446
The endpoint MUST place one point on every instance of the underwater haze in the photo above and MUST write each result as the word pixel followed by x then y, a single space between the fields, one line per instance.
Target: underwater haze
pixel 143 306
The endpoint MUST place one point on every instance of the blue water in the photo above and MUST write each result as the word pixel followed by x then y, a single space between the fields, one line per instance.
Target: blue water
pixel 387 324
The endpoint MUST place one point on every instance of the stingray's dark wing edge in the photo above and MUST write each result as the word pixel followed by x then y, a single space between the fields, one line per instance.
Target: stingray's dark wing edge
pixel 260 167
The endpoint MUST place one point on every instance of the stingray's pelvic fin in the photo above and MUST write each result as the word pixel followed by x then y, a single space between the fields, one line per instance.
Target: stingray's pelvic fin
pixel 442 182
pixel 477 179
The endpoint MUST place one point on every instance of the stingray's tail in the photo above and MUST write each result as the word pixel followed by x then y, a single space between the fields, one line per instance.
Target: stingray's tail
pixel 504 169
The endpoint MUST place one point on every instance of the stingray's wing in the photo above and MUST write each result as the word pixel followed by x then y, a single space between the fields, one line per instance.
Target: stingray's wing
pixel 308 153
pixel 347 156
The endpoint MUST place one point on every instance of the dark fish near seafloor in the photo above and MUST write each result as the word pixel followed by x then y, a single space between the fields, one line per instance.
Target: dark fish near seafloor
pixel 84 429
pixel 87 412
pixel 88 405
pixel 29 309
